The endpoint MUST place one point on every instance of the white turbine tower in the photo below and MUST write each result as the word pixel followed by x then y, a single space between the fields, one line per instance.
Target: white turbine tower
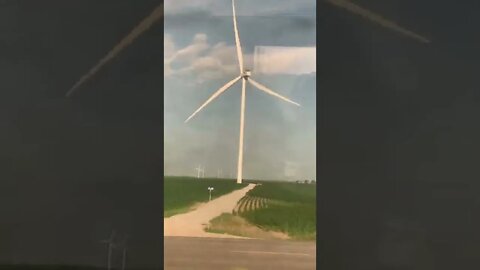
pixel 111 245
pixel 245 77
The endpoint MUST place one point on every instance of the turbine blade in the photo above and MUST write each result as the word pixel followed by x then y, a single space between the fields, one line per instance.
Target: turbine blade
pixel 271 92
pixel 216 94
pixel 143 26
pixel 354 8
pixel 237 39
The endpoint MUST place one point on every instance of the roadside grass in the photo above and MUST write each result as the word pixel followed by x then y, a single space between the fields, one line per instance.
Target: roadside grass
pixel 290 208
pixel 183 193
pixel 230 224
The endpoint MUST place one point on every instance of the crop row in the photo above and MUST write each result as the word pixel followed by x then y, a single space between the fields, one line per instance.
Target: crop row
pixel 250 203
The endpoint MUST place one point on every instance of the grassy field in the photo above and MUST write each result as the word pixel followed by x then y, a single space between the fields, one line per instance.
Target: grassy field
pixel 181 193
pixel 231 224
pixel 290 208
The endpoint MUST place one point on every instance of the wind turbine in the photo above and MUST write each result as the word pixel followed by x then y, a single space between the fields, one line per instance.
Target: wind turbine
pixel 198 169
pixel 111 245
pixel 245 76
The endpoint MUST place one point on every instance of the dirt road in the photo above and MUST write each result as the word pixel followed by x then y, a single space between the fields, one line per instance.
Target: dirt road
pixel 193 223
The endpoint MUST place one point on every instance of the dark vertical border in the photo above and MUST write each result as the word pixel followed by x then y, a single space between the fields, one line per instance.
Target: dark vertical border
pixel 162 22
pixel 318 179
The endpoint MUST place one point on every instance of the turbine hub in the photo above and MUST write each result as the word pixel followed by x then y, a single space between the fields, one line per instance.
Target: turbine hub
pixel 246 74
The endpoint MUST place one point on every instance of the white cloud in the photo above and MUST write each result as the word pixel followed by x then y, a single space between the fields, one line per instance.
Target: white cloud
pixel 192 51
pixel 207 62
pixel 285 60
pixel 226 53
pixel 202 60
pixel 169 46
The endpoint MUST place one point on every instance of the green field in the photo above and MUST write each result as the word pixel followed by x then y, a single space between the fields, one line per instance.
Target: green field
pixel 181 193
pixel 291 209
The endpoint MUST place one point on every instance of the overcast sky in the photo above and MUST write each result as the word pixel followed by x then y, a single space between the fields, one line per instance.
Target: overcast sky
pixel 200 57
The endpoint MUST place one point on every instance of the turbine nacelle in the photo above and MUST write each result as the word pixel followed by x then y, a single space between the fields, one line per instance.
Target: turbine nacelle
pixel 245 74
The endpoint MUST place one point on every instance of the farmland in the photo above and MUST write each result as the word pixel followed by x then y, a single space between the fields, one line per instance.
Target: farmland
pixel 287 208
pixel 181 193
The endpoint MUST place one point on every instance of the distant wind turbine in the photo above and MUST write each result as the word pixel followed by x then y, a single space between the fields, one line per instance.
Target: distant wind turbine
pixel 245 77
pixel 199 170
pixel 111 245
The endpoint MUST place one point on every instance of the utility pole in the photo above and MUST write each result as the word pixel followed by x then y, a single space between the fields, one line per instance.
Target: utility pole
pixel 210 193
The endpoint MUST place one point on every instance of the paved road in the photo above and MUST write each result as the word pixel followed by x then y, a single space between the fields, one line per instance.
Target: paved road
pixel 192 253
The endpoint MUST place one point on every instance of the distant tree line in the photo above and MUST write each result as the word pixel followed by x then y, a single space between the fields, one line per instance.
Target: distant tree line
pixel 306 181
